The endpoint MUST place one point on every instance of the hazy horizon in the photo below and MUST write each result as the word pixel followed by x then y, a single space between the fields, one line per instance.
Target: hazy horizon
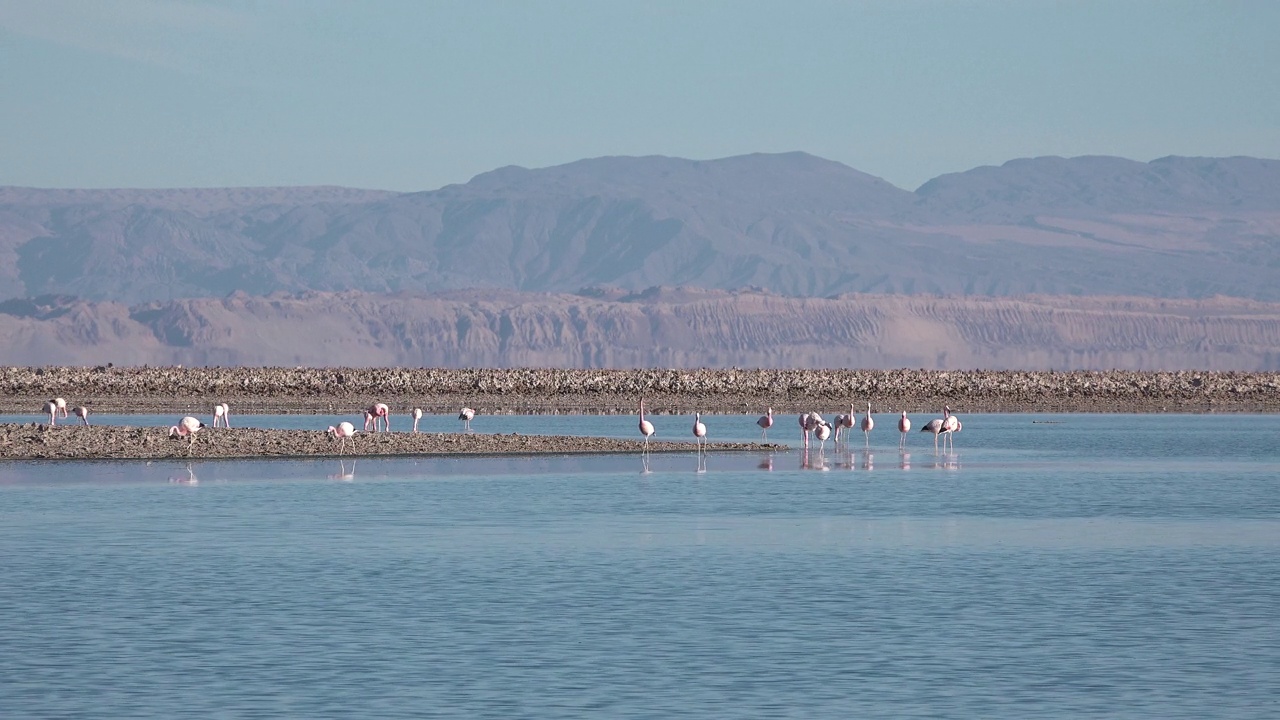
pixel 408 96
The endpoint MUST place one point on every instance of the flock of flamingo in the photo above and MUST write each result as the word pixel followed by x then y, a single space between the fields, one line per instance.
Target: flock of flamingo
pixel 812 422
pixel 378 418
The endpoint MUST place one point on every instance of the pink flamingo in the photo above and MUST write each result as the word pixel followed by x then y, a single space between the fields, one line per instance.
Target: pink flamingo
pixel 838 424
pixel 847 424
pixel 220 415
pixel 950 427
pixel 343 431
pixel 808 423
pixel 646 427
pixel 904 427
pixel 82 412
pixel 765 422
pixel 822 431
pixel 699 431
pixel 374 413
pixel 937 426
pixel 187 427
pixel 867 424
pixel 51 407
pixel 417 415
pixel 465 416
pixel 62 406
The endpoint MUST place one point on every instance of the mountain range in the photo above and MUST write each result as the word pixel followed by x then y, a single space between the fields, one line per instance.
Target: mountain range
pixel 760 260
pixel 791 223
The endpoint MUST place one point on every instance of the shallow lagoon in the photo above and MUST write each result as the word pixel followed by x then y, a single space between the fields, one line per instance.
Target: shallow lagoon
pixel 1082 564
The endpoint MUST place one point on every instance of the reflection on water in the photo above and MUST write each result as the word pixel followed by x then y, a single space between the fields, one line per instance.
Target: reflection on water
pixel 1110 565
pixel 343 473
pixel 187 478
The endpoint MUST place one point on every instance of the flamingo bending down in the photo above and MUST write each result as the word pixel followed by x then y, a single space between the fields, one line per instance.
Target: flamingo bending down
pixel 867 424
pixel 765 422
pixel 646 427
pixel 375 412
pixel 838 424
pixel 699 431
pixel 465 416
pixel 808 423
pixel 904 427
pixel 187 427
pixel 62 406
pixel 82 412
pixel 220 415
pixel 51 407
pixel 822 432
pixel 417 415
pixel 343 431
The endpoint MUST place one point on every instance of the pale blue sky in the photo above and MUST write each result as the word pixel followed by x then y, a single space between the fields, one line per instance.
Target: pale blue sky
pixel 413 95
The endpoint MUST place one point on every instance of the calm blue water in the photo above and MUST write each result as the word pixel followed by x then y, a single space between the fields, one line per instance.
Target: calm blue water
pixel 1103 565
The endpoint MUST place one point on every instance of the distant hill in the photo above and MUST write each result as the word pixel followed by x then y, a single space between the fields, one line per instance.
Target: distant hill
pixel 657 327
pixel 790 224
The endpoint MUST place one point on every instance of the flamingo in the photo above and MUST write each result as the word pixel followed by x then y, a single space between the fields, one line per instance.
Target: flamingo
pixel 904 427
pixel 838 424
pixel 82 412
pixel 220 414
pixel 376 411
pixel 646 427
pixel 465 416
pixel 950 427
pixel 51 407
pixel 765 422
pixel 936 425
pixel 343 431
pixel 699 431
pixel 62 406
pixel 847 424
pixel 808 423
pixel 187 427
pixel 417 415
pixel 867 424
pixel 822 432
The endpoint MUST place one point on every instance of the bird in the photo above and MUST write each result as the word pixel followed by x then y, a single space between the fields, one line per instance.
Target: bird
pixel 187 427
pixel 904 427
pixel 375 412
pixel 343 431
pixel 51 407
pixel 82 412
pixel 699 431
pixel 847 424
pixel 417 415
pixel 822 431
pixel 838 424
pixel 465 416
pixel 808 423
pixel 765 422
pixel 220 415
pixel 62 406
pixel 950 426
pixel 867 424
pixel 646 427
pixel 935 426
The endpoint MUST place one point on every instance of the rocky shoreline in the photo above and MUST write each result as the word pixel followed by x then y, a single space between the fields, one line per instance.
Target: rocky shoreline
pixel 494 391
pixel 33 441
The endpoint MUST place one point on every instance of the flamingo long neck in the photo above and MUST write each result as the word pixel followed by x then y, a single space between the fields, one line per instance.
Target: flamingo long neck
pixel 641 411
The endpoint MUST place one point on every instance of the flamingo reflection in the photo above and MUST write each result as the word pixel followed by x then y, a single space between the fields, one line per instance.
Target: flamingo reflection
pixel 188 479
pixel 343 474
